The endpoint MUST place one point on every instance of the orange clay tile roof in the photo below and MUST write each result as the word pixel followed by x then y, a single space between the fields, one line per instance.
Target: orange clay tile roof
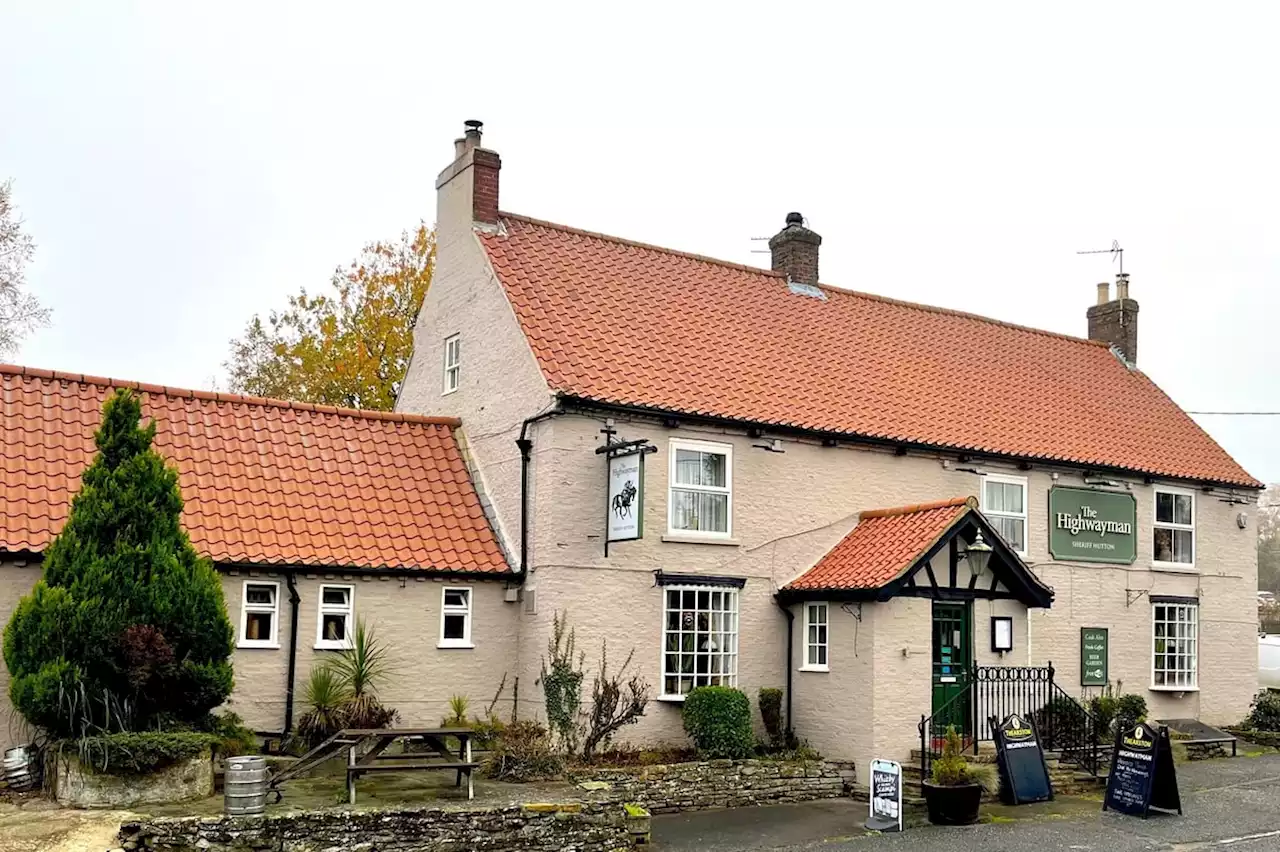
pixel 623 323
pixel 265 481
pixel 884 544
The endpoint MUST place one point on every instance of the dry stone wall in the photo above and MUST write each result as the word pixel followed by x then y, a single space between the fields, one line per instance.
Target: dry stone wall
pixel 677 787
pixel 592 827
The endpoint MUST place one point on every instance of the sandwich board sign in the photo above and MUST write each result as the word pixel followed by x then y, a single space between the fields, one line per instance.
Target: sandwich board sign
pixel 1142 773
pixel 886 796
pixel 1024 777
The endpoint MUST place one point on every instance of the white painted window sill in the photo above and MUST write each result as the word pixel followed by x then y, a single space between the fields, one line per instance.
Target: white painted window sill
pixel 1155 688
pixel 671 699
pixel 333 647
pixel 691 538
pixel 815 668
pixel 1175 567
pixel 268 646
pixel 455 646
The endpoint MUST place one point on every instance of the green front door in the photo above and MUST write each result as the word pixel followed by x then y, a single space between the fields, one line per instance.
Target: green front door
pixel 952 655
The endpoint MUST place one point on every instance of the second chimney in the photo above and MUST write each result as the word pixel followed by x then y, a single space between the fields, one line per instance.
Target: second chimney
pixel 1115 321
pixel 795 251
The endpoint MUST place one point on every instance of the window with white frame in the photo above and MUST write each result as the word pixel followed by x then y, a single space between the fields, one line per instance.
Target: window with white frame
pixel 452 362
pixel 1174 534
pixel 700 489
pixel 815 637
pixel 455 618
pixel 1175 630
pixel 1004 504
pixel 699 638
pixel 335 620
pixel 259 615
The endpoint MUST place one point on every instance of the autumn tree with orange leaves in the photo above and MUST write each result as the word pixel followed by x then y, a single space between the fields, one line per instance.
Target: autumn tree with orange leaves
pixel 349 347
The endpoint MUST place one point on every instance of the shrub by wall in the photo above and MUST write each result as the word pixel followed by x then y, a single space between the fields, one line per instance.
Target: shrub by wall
pixel 718 720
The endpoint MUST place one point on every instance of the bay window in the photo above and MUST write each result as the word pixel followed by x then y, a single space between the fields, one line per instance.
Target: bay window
pixel 699 638
pixel 1176 639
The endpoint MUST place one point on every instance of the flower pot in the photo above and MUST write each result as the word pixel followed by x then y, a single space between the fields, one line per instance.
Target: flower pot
pixel 952 805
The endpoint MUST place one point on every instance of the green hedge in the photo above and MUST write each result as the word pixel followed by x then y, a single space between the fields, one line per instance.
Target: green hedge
pixel 718 719
pixel 140 753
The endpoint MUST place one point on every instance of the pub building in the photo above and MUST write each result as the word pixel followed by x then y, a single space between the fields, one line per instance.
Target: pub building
pixel 754 479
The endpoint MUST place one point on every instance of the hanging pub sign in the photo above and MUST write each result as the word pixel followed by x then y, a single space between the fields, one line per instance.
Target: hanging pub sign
pixel 626 497
pixel 1142 773
pixel 1086 525
pixel 624 491
pixel 886 796
pixel 1093 656
pixel 1024 777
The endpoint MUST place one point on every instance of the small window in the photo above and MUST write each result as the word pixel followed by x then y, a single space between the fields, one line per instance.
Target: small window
pixel 1175 631
pixel 700 639
pixel 700 489
pixel 259 615
pixel 1004 503
pixel 334 622
pixel 452 362
pixel 1174 541
pixel 455 619
pixel 815 638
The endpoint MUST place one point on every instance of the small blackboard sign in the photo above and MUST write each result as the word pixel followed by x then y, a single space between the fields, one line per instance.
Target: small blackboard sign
pixel 1142 773
pixel 1024 777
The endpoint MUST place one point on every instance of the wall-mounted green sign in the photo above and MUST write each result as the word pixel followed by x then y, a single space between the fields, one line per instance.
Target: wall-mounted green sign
pixel 1093 656
pixel 1093 526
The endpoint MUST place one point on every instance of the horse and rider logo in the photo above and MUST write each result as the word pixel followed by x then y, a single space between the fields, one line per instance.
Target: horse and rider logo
pixel 623 499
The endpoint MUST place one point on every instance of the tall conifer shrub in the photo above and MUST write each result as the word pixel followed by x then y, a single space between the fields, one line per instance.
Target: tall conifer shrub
pixel 127 630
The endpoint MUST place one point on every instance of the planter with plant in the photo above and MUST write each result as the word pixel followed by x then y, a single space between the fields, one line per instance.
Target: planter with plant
pixel 954 791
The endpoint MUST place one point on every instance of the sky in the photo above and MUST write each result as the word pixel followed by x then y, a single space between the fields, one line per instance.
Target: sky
pixel 185 166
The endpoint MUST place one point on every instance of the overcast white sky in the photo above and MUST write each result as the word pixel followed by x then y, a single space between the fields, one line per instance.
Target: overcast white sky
pixel 183 167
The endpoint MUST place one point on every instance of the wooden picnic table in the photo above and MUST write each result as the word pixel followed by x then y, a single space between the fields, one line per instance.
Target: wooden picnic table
pixel 379 739
pixel 374 758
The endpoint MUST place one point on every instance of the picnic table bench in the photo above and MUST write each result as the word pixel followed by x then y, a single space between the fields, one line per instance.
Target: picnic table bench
pixel 374 743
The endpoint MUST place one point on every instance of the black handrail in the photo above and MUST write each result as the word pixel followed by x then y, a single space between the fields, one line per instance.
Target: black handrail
pixel 996 691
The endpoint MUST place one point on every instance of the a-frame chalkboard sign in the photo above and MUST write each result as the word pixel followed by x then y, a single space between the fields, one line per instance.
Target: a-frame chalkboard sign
pixel 1142 773
pixel 1024 777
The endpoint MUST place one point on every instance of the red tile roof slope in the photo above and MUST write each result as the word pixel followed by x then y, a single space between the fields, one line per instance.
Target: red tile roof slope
pixel 883 545
pixel 265 481
pixel 625 323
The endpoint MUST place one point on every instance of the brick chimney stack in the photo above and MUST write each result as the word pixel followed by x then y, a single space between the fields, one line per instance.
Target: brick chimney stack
pixel 795 251
pixel 1115 321
pixel 467 190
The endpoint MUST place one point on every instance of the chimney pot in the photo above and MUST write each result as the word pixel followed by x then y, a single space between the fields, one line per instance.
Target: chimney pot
pixel 1122 286
pixel 794 251
pixel 1104 292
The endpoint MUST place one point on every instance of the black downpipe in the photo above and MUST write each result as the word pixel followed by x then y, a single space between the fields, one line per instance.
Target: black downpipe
pixel 791 640
pixel 294 600
pixel 525 443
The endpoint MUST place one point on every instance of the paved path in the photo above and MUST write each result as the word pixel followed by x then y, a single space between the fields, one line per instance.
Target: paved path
pixel 41 826
pixel 1229 806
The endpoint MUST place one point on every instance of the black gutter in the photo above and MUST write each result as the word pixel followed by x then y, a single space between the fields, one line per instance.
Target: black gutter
pixel 525 443
pixel 294 600
pixel 976 456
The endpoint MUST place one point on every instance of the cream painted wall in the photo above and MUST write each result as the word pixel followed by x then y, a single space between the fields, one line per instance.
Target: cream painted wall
pixel 791 508
pixel 405 612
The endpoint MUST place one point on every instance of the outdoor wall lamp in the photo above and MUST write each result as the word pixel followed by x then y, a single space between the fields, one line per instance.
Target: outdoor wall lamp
pixel 979 554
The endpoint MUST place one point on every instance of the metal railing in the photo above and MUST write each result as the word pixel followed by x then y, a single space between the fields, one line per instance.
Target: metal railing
pixel 995 692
